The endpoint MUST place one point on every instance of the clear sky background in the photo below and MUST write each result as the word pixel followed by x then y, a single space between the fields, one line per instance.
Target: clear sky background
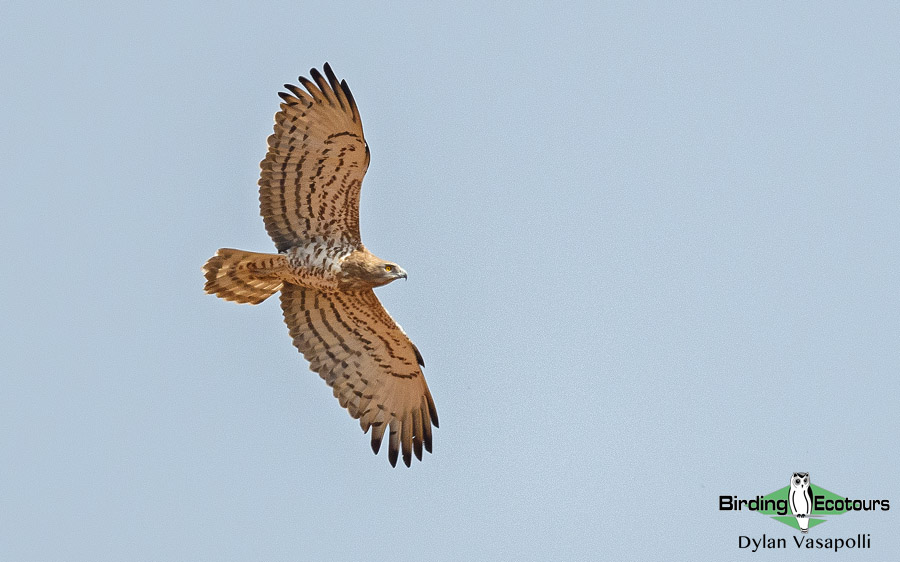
pixel 652 251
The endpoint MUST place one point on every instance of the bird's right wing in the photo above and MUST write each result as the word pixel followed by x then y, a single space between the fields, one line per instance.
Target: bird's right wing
pixel 374 369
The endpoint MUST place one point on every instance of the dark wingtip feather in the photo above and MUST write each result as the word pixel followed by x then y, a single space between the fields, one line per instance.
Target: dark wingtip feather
pixel 347 92
pixel 295 90
pixel 350 99
pixel 432 410
pixel 392 456
pixel 317 78
pixel 426 427
pixel 407 458
pixel 417 448
pixel 310 87
pixel 376 445
pixel 324 87
pixel 335 84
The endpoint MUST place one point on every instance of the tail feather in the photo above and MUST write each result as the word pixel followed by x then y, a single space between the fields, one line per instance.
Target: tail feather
pixel 244 277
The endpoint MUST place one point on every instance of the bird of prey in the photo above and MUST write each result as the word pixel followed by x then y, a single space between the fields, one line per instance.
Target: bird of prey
pixel 309 200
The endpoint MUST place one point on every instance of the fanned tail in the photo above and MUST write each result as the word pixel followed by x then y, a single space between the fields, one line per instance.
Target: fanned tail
pixel 244 277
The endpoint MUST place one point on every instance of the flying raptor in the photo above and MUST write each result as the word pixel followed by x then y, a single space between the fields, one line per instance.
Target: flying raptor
pixel 309 200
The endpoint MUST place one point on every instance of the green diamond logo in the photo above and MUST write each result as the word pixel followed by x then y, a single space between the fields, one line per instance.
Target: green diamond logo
pixel 820 497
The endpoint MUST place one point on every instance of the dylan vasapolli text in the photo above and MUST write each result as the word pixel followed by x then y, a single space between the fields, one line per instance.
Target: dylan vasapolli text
pixel 860 541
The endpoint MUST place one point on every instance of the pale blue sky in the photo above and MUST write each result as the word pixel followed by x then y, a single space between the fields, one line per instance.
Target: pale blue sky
pixel 652 251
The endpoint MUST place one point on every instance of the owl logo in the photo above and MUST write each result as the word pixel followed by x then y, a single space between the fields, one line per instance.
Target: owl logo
pixel 800 498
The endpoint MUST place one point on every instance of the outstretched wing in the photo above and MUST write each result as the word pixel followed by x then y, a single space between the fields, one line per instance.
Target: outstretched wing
pixel 311 176
pixel 354 344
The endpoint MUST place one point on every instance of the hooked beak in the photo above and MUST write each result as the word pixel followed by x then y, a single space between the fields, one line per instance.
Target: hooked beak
pixel 401 273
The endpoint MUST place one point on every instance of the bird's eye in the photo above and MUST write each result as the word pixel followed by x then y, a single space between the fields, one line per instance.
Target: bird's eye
pixel 388 268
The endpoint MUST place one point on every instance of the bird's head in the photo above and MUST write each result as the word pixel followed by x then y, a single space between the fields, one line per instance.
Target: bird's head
pixel 362 269
pixel 387 272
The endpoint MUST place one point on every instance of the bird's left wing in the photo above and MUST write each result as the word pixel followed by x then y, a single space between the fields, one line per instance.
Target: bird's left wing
pixel 310 179
pixel 374 369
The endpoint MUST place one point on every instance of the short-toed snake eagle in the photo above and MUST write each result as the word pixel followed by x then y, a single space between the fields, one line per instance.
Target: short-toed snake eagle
pixel 309 200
